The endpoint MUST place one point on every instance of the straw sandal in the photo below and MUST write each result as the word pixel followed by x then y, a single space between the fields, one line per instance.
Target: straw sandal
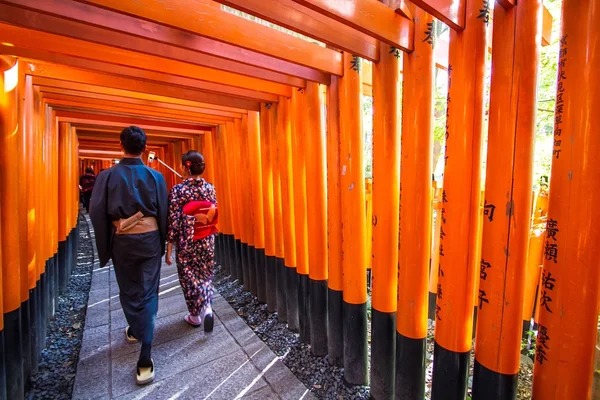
pixel 145 374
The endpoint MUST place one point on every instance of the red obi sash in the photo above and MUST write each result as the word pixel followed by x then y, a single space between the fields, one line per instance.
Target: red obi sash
pixel 206 215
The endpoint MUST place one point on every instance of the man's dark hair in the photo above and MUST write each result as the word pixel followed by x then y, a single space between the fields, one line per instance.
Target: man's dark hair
pixel 133 140
pixel 89 170
pixel 194 161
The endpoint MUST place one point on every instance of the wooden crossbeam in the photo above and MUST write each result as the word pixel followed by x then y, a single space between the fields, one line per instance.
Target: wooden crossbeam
pixel 204 18
pixel 64 100
pixel 370 17
pixel 507 4
pixel 308 22
pixel 35 56
pixel 113 120
pixel 59 76
pixel 450 12
pixel 175 45
pixel 165 103
pixel 43 45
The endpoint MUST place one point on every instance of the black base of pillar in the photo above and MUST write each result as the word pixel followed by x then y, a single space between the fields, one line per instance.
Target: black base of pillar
pixel 252 269
pixel 44 308
pixel 355 343
pixel 490 385
pixel 292 299
pixel 280 270
pixel 336 327
pixel 318 316
pixel 235 258
pixel 2 368
pixel 383 354
pixel 63 265
pixel 271 282
pixel 231 256
pixel 13 355
pixel 303 308
pixel 34 313
pixel 261 275
pixel 239 270
pixel 410 367
pixel 245 266
pixel 450 373
pixel 55 283
pixel 431 308
pixel 26 340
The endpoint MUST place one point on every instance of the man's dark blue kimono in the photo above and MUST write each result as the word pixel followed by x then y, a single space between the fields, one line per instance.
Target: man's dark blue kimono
pixel 119 193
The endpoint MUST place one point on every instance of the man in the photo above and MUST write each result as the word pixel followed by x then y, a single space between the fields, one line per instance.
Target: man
pixel 129 214
pixel 86 183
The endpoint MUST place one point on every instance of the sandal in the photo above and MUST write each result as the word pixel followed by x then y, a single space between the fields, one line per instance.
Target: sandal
pixel 188 319
pixel 145 374
pixel 129 336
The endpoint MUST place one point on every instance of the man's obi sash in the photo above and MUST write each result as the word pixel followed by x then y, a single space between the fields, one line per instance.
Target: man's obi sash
pixel 206 216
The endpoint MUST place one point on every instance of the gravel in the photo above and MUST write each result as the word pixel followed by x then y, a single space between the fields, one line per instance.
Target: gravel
pixel 58 363
pixel 324 380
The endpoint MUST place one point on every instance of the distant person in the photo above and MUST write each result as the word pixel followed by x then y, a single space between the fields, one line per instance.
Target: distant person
pixel 86 183
pixel 191 228
pixel 129 214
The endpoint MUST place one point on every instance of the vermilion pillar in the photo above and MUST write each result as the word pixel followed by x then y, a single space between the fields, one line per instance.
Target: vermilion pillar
pixel 456 275
pixel 384 221
pixel 9 219
pixel 507 210
pixel 317 219
pixel 298 112
pixel 288 213
pixel 570 286
pixel 415 210
pixel 266 132
pixel 334 226
pixel 352 185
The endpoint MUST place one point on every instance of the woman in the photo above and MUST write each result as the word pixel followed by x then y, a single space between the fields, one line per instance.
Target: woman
pixel 191 228
pixel 86 183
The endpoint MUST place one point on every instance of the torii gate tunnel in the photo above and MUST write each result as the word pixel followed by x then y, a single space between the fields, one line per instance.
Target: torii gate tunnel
pixel 280 122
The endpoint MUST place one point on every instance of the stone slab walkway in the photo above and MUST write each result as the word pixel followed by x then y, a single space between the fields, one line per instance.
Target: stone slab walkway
pixel 229 363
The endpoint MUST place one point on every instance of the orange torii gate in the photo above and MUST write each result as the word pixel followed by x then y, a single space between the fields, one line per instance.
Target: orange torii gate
pixel 282 134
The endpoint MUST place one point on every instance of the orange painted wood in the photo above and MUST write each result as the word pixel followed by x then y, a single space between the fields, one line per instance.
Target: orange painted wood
pixel 254 160
pixel 509 171
pixel 316 174
pixel 217 24
pixel 139 85
pixel 401 8
pixel 546 27
pixel 370 17
pixel 352 184
pixel 40 45
pixel 334 191
pixel 173 104
pixel 386 178
pixel 299 119
pixel 570 284
pixel 162 40
pixel 308 22
pixel 150 113
pixel 415 190
pixel 266 162
pixel 507 4
pixel 276 155
pixel 161 94
pixel 461 192
pixel 31 167
pixel 9 179
pixel 450 12
pixel 287 182
pixel 30 56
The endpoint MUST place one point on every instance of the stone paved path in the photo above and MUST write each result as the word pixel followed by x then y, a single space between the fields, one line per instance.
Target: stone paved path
pixel 229 363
